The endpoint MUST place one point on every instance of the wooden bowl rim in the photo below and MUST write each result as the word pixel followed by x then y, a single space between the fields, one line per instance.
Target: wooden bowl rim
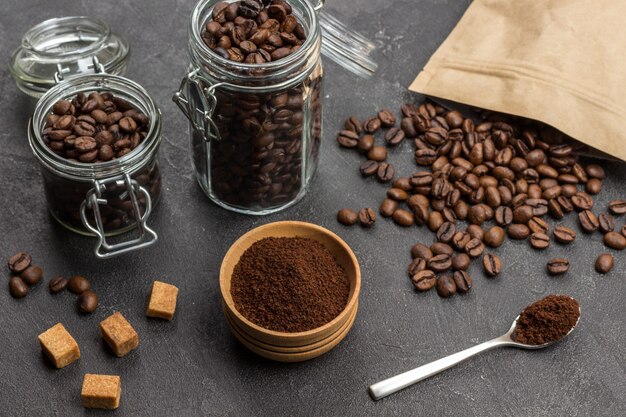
pixel 226 297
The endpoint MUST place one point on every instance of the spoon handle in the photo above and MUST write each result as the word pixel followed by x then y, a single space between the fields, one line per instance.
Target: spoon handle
pixel 396 383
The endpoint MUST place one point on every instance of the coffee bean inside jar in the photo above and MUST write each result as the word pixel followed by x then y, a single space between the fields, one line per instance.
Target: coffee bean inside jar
pixel 263 59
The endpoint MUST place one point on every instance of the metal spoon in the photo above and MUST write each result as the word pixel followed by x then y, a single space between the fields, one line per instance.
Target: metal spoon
pixel 396 383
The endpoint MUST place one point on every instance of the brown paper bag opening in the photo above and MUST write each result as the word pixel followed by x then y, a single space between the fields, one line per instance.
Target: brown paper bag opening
pixel 560 62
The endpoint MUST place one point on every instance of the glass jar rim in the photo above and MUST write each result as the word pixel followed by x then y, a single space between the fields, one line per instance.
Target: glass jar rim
pixel 198 49
pixel 95 82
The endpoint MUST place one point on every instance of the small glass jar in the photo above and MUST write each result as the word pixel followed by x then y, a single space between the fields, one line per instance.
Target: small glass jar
pixel 255 128
pixel 105 198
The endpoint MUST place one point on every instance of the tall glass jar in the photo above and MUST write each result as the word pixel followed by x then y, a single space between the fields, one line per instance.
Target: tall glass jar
pixel 106 198
pixel 255 128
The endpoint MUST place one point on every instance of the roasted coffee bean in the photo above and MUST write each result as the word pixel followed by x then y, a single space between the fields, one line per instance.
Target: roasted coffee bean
pixel 348 139
pixel 372 124
pixel 523 214
pixel 595 171
pixel 425 156
pixel 366 143
pixel 403 218
pixel 387 118
pixel 565 203
pixel 623 231
pixel 460 262
pixel 564 234
pixel 463 281
pixel 402 183
pixel 476 215
pixel 347 217
pixel 557 266
pixel 539 240
pixel 388 207
pixel 440 248
pixel 492 264
pixel 588 221
pixel 537 224
pixel 504 216
pixel 494 237
pixel 377 153
pixel 408 127
pixel 593 186
pixel 422 215
pixel 446 232
pixel 17 287
pixel 87 302
pixel 367 217
pixel 421 251
pixel 424 280
pixel 397 194
pixel 353 124
pixel 368 168
pixel 518 231
pixel 617 207
pixel 583 201
pixel 460 239
pixel 57 284
pixel 474 248
pixel 385 172
pixel 555 209
pixel 32 275
pixel 606 223
pixel 446 287
pixel 19 262
pixel 440 263
pixel 615 240
pixel 475 231
pixel 416 265
pixel 78 284
pixel 604 263
pixel 394 136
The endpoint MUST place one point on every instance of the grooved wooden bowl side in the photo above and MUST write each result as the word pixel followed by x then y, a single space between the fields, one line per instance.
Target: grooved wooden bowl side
pixel 343 254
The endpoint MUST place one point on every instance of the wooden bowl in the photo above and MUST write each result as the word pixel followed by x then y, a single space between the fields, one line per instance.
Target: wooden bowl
pixel 340 250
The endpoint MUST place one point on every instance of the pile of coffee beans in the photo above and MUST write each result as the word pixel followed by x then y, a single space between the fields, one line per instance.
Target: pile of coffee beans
pixel 253 31
pixel 500 169
pixel 94 128
pixel 25 274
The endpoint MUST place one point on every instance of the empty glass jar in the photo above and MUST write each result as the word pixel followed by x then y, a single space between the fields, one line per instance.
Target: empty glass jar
pixel 255 128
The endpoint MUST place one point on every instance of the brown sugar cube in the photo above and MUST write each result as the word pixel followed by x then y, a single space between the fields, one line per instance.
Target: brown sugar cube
pixel 101 391
pixel 162 302
pixel 119 334
pixel 59 346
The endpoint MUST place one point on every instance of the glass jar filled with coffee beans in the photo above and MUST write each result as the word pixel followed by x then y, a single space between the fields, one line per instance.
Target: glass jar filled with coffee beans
pixel 96 138
pixel 253 98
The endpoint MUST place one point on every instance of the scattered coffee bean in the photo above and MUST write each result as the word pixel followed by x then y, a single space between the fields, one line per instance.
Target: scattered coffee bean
pixel 615 240
pixel 539 240
pixel 492 264
pixel 366 143
pixel 474 248
pixel 87 302
pixel 593 186
pixel 348 138
pixel 17 287
pixel 421 251
pixel 440 248
pixel 387 118
pixel 416 265
pixel 604 263
pixel 385 172
pixel 494 237
pixel 538 225
pixel 368 168
pixel 19 262
pixel 347 217
pixel 440 263
pixel 564 234
pixel 377 153
pixel 606 223
pixel 403 218
pixel 463 281
pixel 388 207
pixel 372 124
pixel 394 136
pixel 518 231
pixel 367 217
pixel 446 232
pixel 617 207
pixel 353 124
pixel 397 194
pixel 446 287
pixel 32 275
pixel 57 284
pixel 475 231
pixel 78 284
pixel 460 262
pixel 558 266
pixel 588 221
pixel 424 280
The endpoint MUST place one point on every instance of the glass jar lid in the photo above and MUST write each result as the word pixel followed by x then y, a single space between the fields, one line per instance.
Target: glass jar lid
pixel 64 47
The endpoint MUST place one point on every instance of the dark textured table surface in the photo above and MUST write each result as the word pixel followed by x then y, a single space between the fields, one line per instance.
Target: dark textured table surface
pixel 192 365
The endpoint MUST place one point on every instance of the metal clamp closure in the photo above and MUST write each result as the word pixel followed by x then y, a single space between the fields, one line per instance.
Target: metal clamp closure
pixel 196 99
pixel 97 67
pixel 94 199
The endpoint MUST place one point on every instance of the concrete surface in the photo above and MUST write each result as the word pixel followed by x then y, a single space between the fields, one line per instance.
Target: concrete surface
pixel 193 366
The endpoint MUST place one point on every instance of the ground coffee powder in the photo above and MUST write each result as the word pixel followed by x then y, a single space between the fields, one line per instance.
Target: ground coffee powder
pixel 547 320
pixel 289 284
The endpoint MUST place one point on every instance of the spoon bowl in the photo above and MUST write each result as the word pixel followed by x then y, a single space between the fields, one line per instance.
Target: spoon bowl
pixel 396 383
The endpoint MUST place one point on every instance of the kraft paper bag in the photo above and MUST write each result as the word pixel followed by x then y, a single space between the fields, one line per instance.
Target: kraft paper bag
pixel 562 62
